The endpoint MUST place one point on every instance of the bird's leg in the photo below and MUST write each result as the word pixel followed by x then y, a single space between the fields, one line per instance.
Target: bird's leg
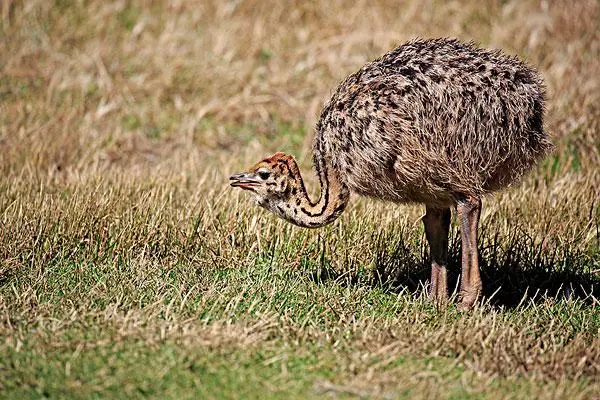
pixel 437 225
pixel 469 211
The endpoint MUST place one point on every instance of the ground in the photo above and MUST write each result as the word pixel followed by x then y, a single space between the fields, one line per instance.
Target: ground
pixel 129 268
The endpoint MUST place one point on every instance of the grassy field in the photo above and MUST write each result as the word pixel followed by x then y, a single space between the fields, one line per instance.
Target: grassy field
pixel 129 268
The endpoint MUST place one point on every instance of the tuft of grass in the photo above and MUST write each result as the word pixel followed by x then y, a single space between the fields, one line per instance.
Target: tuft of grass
pixel 128 268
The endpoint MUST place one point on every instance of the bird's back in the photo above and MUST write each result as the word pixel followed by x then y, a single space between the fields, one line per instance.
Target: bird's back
pixel 434 120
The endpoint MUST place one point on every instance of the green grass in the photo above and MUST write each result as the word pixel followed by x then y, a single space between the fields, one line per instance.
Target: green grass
pixel 178 308
pixel 250 331
pixel 196 371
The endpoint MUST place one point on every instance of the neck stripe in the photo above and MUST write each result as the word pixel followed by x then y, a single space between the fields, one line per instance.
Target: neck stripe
pixel 323 173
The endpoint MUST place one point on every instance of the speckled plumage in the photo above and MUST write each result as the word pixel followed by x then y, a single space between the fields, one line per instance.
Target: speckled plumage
pixel 437 122
pixel 434 121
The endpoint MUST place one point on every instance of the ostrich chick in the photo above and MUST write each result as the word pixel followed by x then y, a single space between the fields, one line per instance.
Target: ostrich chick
pixel 437 122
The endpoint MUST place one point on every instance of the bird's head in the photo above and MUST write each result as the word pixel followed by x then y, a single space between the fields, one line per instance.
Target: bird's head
pixel 273 181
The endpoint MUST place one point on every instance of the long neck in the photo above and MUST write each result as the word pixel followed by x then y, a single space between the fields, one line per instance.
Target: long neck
pixel 334 196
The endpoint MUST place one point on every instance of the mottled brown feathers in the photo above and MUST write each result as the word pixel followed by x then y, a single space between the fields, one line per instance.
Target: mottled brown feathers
pixel 433 121
pixel 437 122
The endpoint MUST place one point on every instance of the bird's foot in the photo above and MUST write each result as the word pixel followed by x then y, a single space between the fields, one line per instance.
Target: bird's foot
pixel 468 299
pixel 438 289
pixel 438 294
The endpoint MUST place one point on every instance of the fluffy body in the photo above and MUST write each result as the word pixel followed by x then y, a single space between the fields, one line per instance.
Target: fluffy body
pixel 437 122
pixel 434 121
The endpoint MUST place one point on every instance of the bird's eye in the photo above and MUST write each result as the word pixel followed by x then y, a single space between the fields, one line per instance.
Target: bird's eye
pixel 264 174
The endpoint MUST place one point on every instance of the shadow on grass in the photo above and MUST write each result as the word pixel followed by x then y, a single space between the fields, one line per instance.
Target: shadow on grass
pixel 513 269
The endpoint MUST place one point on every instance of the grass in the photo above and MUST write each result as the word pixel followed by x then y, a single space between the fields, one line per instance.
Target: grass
pixel 129 269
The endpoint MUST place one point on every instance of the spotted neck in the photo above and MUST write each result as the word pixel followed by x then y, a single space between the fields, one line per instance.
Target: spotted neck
pixel 334 195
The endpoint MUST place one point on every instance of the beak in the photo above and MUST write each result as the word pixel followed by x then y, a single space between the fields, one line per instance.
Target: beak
pixel 245 180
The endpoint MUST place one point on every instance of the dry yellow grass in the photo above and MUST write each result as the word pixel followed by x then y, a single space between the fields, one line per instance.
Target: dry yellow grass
pixel 128 267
